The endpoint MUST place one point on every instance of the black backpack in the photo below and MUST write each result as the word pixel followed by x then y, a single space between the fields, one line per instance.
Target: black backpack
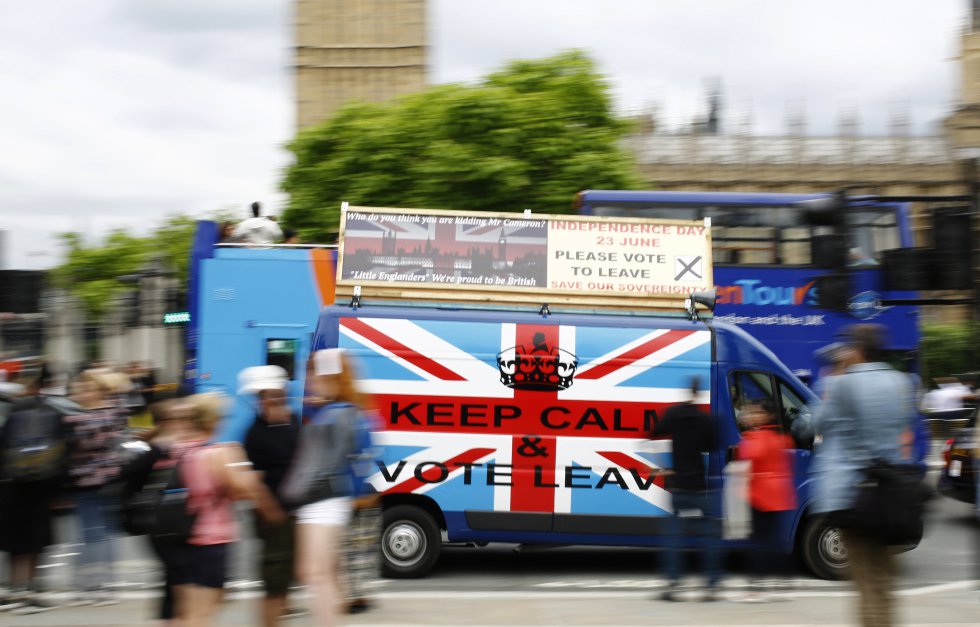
pixel 34 445
pixel 140 486
pixel 173 520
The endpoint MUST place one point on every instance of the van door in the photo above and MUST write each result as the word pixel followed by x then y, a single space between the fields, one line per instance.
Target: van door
pixel 747 384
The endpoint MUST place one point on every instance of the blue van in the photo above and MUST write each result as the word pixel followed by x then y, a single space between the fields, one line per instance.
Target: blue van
pixel 529 427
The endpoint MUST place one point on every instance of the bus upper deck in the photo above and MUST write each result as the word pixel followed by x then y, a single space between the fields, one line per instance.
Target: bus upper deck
pixel 767 259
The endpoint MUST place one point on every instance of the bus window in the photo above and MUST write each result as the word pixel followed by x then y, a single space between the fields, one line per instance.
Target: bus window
pixel 744 245
pixel 282 353
pixel 794 246
pixel 872 232
pixel 661 212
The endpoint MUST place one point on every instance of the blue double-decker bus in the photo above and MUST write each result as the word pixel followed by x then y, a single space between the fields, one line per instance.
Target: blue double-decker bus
pixel 764 267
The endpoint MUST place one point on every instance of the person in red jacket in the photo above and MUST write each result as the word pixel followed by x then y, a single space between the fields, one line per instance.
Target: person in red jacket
pixel 771 491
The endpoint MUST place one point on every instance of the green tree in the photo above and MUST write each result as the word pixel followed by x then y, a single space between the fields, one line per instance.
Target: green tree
pixel 948 349
pixel 91 271
pixel 529 136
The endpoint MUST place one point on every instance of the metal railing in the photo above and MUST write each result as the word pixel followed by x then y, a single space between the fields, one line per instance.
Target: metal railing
pixel 247 245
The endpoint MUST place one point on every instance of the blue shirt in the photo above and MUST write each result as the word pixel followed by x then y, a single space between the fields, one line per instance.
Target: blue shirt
pixel 866 412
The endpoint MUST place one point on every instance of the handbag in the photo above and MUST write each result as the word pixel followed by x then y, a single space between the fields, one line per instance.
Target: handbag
pixel 890 504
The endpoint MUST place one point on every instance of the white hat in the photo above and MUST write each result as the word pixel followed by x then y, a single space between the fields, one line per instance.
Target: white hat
pixel 258 378
pixel 327 361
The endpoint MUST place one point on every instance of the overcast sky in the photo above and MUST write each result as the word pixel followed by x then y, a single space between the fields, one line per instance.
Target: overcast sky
pixel 115 113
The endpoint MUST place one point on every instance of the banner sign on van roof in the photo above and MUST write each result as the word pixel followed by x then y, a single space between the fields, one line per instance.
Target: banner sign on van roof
pixel 478 256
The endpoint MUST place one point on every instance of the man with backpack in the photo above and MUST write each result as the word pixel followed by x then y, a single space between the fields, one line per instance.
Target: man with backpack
pixel 32 466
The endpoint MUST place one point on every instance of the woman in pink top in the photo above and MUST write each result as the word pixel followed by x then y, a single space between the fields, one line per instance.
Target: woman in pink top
pixel 216 475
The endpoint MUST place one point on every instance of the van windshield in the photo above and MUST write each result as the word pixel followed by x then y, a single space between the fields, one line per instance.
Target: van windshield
pixel 746 387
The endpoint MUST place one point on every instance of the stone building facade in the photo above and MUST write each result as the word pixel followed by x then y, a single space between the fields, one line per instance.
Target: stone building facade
pixel 888 165
pixel 372 50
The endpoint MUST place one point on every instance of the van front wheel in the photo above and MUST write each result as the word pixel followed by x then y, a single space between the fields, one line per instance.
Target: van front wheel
pixel 410 542
pixel 823 549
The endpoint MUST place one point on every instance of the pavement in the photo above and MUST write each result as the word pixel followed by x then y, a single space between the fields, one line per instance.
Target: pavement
pixel 935 606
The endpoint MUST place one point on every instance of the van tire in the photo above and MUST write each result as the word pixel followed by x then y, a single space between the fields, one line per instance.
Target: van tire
pixel 823 550
pixel 410 542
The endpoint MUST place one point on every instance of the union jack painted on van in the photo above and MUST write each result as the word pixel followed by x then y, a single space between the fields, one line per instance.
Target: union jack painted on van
pixel 512 417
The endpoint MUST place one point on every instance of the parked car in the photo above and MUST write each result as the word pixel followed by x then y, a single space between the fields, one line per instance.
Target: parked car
pixel 958 478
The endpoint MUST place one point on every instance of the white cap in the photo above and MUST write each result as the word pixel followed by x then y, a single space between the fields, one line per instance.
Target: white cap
pixel 258 378
pixel 327 361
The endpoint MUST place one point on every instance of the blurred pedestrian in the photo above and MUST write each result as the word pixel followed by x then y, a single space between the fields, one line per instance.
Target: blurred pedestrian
pixel 950 395
pixel 9 388
pixel 771 492
pixel 32 463
pixel 362 555
pixel 834 359
pixel 215 476
pixel 865 419
pixel 290 236
pixel 144 477
pixel 695 506
pixel 135 400
pixel 119 386
pixel 225 230
pixel 93 463
pixel 976 481
pixel 148 384
pixel 259 229
pixel 270 445
pixel 321 481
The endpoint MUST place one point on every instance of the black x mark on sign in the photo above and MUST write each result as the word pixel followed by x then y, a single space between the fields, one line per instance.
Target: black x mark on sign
pixel 688 268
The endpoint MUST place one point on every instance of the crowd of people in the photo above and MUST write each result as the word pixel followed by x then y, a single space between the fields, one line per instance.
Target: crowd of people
pixel 866 456
pixel 317 518
pixel 305 477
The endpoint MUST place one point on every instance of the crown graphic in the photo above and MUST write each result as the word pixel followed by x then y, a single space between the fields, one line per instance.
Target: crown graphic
pixel 536 366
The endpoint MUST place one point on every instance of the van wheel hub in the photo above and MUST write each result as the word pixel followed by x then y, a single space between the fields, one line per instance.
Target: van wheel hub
pixel 404 542
pixel 832 545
